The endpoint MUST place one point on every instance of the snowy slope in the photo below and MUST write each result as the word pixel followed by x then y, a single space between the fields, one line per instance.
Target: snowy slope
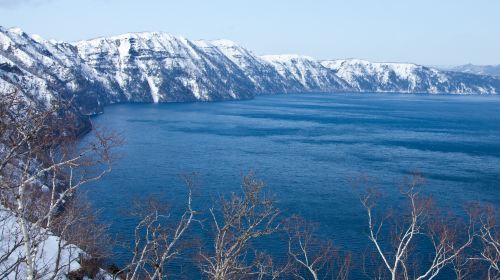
pixel 368 76
pixel 305 72
pixel 11 76
pixel 263 77
pixel 47 252
pixel 46 69
pixel 158 67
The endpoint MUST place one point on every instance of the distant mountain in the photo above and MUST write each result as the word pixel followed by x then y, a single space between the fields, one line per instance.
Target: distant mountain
pixel 159 67
pixel 493 70
pixel 368 76
pixel 306 74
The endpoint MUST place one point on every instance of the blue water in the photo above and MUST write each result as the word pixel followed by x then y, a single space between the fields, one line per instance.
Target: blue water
pixel 309 149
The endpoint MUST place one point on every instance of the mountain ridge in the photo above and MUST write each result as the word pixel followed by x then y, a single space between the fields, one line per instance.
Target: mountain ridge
pixel 490 70
pixel 160 67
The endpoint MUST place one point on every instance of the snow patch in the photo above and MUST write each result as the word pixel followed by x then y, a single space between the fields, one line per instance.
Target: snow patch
pixel 154 88
pixel 46 251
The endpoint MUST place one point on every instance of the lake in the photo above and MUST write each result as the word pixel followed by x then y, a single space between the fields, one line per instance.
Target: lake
pixel 310 149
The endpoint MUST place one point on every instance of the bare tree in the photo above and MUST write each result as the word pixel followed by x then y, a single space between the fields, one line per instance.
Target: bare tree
pixel 39 145
pixel 488 252
pixel 239 221
pixel 156 242
pixel 11 243
pixel 266 268
pixel 396 251
pixel 77 224
pixel 312 257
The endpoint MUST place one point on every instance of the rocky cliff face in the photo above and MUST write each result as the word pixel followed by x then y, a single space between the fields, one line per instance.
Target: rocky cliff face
pixel 158 67
pixel 43 70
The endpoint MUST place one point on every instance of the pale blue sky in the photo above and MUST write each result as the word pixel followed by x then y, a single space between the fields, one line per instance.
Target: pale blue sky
pixel 433 32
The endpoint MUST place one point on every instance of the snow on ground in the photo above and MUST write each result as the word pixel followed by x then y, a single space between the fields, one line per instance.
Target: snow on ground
pixel 46 251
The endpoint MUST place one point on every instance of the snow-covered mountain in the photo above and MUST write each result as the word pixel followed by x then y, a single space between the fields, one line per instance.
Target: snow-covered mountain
pixel 306 74
pixel 492 70
pixel 43 70
pixel 262 75
pixel 368 76
pixel 159 67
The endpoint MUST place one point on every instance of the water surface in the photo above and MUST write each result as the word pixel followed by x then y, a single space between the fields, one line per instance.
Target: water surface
pixel 309 149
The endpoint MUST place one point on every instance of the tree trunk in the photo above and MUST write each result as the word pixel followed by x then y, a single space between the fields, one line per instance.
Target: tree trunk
pixel 30 270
